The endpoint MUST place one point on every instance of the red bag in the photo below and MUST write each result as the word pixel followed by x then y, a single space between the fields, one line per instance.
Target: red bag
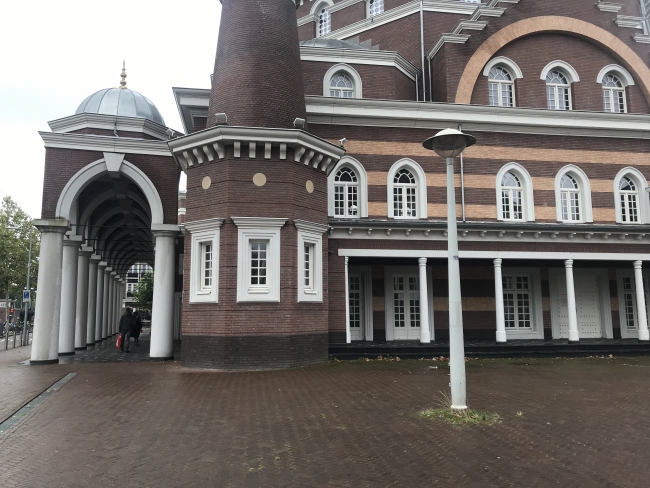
pixel 118 344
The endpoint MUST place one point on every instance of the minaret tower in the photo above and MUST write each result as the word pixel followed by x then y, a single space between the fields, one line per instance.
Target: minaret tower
pixel 256 223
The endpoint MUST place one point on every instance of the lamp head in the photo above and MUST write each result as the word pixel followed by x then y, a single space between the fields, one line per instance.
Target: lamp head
pixel 449 143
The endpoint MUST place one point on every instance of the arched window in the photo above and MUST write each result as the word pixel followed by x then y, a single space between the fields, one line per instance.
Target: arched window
pixel 570 199
pixel 501 87
pixel 346 193
pixel 341 86
pixel 405 200
pixel 613 94
pixel 324 21
pixel 558 91
pixel 512 205
pixel 375 7
pixel 629 199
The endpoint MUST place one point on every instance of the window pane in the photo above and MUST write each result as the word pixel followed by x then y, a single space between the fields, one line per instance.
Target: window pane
pixel 354 288
pixel 258 263
pixel 398 301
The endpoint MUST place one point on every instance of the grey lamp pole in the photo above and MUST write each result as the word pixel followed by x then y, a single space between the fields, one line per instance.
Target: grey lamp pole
pixel 25 331
pixel 448 144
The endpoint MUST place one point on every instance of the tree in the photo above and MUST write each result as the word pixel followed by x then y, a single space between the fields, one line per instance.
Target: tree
pixel 14 249
pixel 143 293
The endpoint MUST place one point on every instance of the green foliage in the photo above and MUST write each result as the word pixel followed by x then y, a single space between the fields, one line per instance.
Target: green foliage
pixel 14 249
pixel 143 293
pixel 460 417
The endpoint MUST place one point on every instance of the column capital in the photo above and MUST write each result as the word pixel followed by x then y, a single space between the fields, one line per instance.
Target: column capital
pixel 113 273
pixel 52 225
pixel 72 241
pixel 497 262
pixel 95 258
pixel 102 264
pixel 108 269
pixel 85 251
pixel 638 264
pixel 422 261
pixel 347 258
pixel 568 263
pixel 165 230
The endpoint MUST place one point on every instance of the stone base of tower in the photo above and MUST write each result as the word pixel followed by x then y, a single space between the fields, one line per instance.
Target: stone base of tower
pixel 254 352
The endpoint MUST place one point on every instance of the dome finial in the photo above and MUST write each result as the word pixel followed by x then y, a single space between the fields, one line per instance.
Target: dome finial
pixel 123 75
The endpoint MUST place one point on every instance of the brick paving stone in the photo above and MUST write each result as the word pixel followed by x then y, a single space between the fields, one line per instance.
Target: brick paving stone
pixel 341 424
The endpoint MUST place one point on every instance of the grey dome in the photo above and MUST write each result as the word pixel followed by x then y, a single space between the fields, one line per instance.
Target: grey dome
pixel 332 44
pixel 120 101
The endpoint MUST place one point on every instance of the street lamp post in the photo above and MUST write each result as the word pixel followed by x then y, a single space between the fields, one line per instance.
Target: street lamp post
pixel 448 144
pixel 25 332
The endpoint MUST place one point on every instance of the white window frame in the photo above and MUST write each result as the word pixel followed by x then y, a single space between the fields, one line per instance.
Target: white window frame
pixel 526 181
pixel 421 188
pixel 643 202
pixel 622 74
pixel 362 181
pixel 310 233
pixel 317 13
pixel 610 92
pixel 368 14
pixel 348 70
pixel 366 282
pixel 251 229
pixel 585 194
pixel 536 314
pixel 568 71
pixel 627 333
pixel 202 232
pixel 203 250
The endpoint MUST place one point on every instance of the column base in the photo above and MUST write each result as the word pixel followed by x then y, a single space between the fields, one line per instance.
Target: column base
pixel 43 361
pixel 66 353
pixel 90 344
pixel 98 341
pixel 644 341
pixel 81 348
pixel 574 342
pixel 501 336
pixel 161 359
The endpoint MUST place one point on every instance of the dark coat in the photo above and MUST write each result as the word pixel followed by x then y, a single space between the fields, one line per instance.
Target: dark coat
pixel 127 322
pixel 137 328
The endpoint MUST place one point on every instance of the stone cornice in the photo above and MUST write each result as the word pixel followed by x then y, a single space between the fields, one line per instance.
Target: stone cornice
pixel 86 142
pixel 201 225
pixel 109 122
pixel 258 222
pixel 428 115
pixel 251 142
pixel 608 6
pixel 307 226
pixel 354 56
pixel 188 101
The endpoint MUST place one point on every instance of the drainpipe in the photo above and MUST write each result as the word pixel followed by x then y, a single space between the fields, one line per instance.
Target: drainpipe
pixel 424 89
pixel 430 82
pixel 462 180
pixel 417 96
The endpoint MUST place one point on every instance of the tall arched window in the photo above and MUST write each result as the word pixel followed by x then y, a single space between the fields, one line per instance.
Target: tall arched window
pixel 501 87
pixel 570 200
pixel 613 94
pixel 558 91
pixel 346 193
pixel 405 201
pixel 629 198
pixel 324 21
pixel 512 206
pixel 341 86
pixel 375 7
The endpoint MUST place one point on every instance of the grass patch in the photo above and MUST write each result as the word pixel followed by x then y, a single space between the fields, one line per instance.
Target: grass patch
pixel 460 417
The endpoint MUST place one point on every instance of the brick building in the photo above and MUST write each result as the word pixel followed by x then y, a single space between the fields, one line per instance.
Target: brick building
pixel 313 211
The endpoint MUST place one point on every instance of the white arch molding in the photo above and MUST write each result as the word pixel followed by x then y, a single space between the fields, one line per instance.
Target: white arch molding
pixel 527 188
pixel 623 74
pixel 318 5
pixel 66 207
pixel 642 194
pixel 512 67
pixel 357 167
pixel 421 182
pixel 585 192
pixel 348 70
pixel 562 66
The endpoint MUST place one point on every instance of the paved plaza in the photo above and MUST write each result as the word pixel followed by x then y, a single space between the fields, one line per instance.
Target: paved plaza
pixel 126 421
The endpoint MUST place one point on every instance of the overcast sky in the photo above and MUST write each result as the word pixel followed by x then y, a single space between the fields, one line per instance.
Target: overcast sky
pixel 55 54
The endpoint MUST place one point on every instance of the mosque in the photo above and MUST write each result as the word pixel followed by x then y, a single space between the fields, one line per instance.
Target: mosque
pixel 315 222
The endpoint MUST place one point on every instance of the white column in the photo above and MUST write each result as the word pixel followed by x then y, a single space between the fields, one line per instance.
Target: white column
pixel 115 315
pixel 498 298
pixel 91 299
pixel 45 344
pixel 162 308
pixel 120 299
pixel 71 246
pixel 425 333
pixel 348 334
pixel 81 316
pixel 106 301
pixel 640 302
pixel 99 308
pixel 111 303
pixel 574 336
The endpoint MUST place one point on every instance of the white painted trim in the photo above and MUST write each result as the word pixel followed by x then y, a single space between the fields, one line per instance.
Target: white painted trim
pixel 66 206
pixel 643 201
pixel 310 227
pixel 359 56
pixel 623 74
pixel 88 142
pixel 389 272
pixel 362 177
pixel 348 70
pixel 563 66
pixel 317 5
pixel 310 234
pixel 585 192
pixel 202 232
pixel 506 255
pixel 537 314
pixel 258 228
pixel 512 67
pixel 526 181
pixel 366 272
pixel 629 273
pixel 421 182
pixel 109 122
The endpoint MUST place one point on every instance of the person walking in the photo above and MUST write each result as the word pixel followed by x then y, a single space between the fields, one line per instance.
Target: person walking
pixel 137 328
pixel 127 323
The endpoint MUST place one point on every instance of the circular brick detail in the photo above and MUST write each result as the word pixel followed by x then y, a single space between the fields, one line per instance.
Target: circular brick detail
pixel 259 179
pixel 310 186
pixel 206 182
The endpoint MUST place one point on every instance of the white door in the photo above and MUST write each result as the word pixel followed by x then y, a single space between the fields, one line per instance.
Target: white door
pixel 406 307
pixel 355 288
pixel 587 305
